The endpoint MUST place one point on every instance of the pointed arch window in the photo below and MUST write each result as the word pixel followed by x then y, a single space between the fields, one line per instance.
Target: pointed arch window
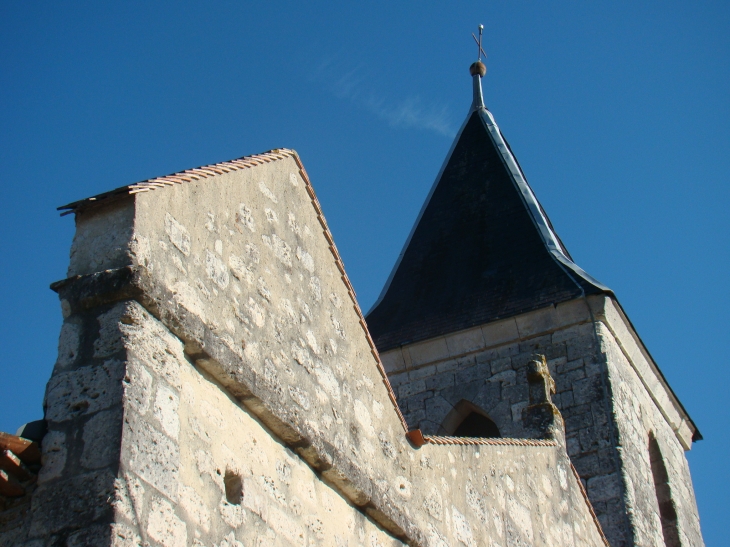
pixel 468 420
pixel 667 509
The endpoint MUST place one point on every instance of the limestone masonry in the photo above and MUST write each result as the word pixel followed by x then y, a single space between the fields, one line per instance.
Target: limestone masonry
pixel 217 384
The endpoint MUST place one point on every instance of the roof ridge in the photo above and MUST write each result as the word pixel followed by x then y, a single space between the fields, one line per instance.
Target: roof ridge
pixel 180 177
pixel 495 441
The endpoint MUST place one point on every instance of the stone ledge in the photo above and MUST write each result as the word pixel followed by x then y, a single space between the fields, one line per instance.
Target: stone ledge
pixel 515 329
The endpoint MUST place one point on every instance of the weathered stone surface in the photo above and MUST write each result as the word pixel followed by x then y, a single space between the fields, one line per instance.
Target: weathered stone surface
pixel 102 241
pixel 101 439
pixel 54 456
pixel 153 456
pixel 253 408
pixel 81 392
pixel 593 377
pixel 72 503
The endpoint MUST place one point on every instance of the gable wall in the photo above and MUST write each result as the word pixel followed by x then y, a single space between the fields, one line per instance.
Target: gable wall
pixel 190 361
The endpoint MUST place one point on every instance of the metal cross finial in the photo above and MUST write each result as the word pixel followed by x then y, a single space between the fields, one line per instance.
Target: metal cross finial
pixel 479 42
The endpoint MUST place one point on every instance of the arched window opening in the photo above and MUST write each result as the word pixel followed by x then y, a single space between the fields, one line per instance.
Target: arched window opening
pixel 468 420
pixel 667 509
pixel 476 425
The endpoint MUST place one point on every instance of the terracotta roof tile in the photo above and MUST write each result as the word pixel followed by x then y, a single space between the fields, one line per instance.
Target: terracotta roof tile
pixel 181 177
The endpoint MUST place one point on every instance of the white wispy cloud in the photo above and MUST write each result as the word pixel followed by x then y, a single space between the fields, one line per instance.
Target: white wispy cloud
pixel 410 112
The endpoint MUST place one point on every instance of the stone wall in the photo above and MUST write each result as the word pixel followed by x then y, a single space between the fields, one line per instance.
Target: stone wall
pixel 607 391
pixel 215 385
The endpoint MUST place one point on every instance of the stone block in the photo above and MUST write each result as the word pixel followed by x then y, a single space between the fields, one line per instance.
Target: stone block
pixel 585 390
pixel 413 419
pixel 429 427
pixel 437 408
pixel 421 372
pixel 137 387
pixel 102 439
pixel 417 401
pixel 572 312
pixel 448 366
pixel 72 503
pixel 124 536
pixel 83 391
pixel 488 355
pixel 464 391
pixel 599 413
pixel 440 381
pixel 428 351
pixel 393 360
pixel 68 344
pixel 537 322
pixel 500 332
pixel 577 410
pixel 409 388
pixel 153 456
pixel 583 346
pixel 572 445
pixel 406 358
pixel 102 239
pixel 684 434
pixel 499 365
pixel 589 439
pixel 605 487
pixel 509 350
pixel 569 380
pixel 520 360
pixel 506 378
pixel 517 409
pixel 575 331
pixel 578 421
pixel 554 351
pixel 515 393
pixel 566 399
pixel 54 455
pixel 469 375
pixel 556 364
pixel 499 411
pixel 536 345
pixel 398 379
pixel 465 342
pixel 592 367
pixel 164 526
pixel 567 366
pixel 587 465
pixel 606 461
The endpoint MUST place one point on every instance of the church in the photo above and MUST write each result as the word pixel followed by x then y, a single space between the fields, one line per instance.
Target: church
pixel 217 383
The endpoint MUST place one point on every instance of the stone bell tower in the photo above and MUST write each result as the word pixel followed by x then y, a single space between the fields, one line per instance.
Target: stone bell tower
pixel 482 284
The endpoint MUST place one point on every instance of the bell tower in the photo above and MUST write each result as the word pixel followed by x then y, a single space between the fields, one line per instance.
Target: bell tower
pixel 483 284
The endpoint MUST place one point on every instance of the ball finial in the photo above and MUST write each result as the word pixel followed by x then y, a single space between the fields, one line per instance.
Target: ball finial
pixel 478 68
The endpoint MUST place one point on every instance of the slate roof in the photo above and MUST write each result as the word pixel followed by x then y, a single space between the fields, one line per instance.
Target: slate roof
pixel 482 248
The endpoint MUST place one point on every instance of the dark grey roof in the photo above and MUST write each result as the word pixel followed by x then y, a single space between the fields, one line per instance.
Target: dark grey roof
pixel 482 248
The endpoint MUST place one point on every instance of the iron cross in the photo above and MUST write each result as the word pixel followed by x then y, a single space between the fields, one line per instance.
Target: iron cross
pixel 479 42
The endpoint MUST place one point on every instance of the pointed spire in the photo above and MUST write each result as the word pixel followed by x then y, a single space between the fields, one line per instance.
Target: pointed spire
pixel 482 248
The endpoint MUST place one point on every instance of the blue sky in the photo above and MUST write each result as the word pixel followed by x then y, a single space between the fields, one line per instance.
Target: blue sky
pixel 618 113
